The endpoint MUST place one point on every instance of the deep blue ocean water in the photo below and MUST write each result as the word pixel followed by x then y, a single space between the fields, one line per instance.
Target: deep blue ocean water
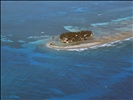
pixel 31 72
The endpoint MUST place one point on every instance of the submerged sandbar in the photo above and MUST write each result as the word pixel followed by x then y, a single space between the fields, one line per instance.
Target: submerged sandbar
pixel 114 31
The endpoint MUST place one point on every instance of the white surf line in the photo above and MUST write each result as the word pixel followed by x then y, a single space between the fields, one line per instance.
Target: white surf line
pixel 99 24
pixel 111 43
pixel 85 45
pixel 121 19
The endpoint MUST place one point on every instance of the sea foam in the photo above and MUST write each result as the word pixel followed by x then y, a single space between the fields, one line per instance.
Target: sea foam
pixel 115 20
pixel 4 39
pixel 37 37
pixel 99 24
pixel 111 43
pixel 121 19
pixel 74 28
pixel 22 41
pixel 79 50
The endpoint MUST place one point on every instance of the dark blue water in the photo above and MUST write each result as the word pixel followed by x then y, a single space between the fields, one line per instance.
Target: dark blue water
pixel 31 72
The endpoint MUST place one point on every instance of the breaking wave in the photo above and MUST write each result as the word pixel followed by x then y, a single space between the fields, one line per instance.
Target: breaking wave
pixel 79 50
pixel 111 43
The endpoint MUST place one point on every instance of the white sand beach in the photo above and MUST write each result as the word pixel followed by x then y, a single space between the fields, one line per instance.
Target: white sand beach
pixel 86 45
pixel 95 42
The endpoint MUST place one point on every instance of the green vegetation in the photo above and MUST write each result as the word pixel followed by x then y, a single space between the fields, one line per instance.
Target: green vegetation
pixel 70 37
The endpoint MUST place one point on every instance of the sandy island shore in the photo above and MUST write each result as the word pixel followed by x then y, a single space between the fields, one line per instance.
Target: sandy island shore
pixel 85 45
pixel 111 33
pixel 95 42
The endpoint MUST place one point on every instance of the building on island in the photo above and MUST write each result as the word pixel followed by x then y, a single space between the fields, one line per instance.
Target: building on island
pixel 70 37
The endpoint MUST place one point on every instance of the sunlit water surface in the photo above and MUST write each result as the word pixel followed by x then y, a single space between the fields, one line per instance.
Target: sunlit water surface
pixel 34 72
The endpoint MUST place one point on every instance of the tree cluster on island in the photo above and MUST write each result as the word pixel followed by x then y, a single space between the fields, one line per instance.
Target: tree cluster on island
pixel 70 37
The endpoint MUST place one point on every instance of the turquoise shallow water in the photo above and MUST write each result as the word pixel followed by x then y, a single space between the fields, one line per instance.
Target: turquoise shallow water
pixel 33 72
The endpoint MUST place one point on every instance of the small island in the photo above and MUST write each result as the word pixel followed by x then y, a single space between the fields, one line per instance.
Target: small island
pixel 70 37
pixel 83 39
